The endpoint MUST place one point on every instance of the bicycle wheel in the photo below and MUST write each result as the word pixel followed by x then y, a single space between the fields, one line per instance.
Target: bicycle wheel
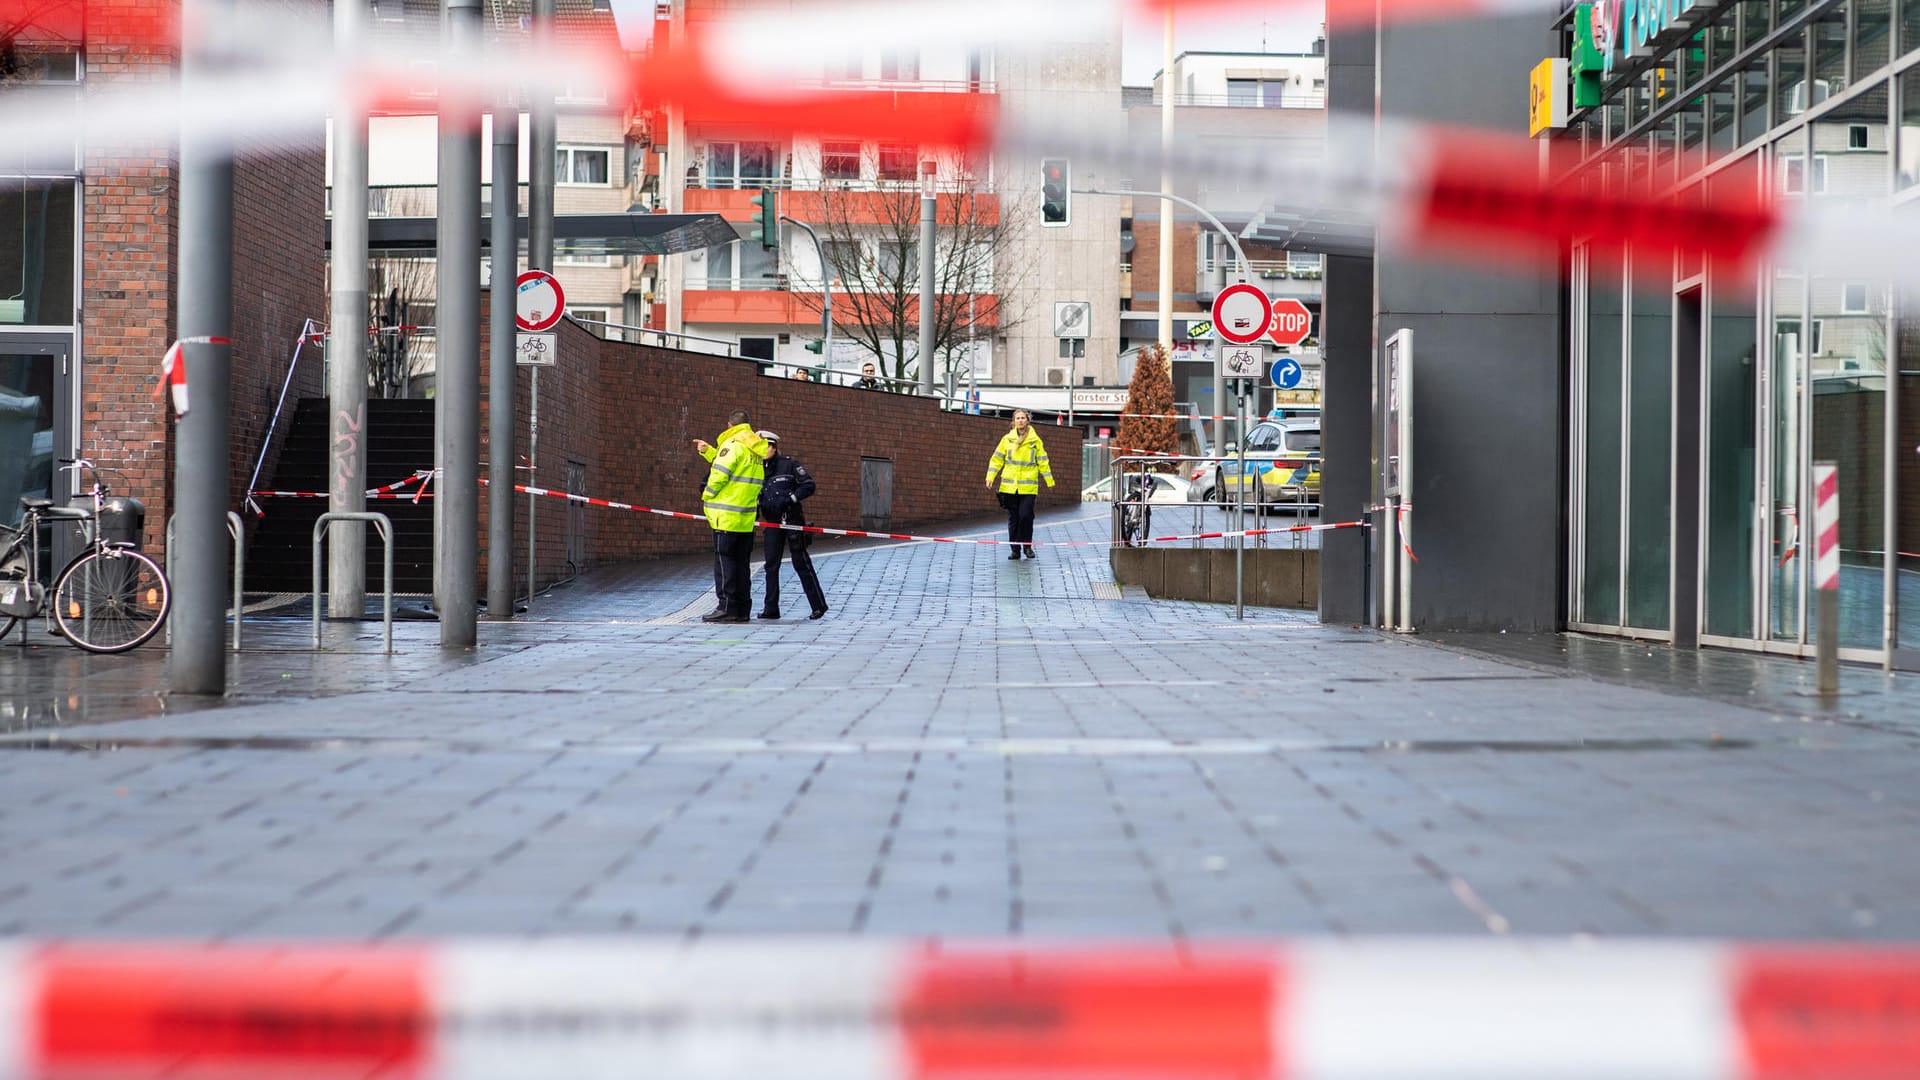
pixel 111 601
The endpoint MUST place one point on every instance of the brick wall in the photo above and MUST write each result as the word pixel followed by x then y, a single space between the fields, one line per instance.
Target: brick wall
pixel 631 413
pixel 130 250
pixel 131 206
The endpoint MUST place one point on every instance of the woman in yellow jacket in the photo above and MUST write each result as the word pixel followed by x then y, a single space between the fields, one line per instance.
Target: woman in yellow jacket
pixel 1019 464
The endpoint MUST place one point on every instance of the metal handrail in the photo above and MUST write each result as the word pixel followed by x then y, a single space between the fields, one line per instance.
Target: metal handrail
pixel 266 443
pixel 238 530
pixel 322 527
pixel 732 346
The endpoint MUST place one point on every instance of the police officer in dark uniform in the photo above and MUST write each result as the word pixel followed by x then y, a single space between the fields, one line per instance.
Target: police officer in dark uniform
pixel 787 483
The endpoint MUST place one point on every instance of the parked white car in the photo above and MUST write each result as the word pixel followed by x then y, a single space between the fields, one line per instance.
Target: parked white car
pixel 1167 489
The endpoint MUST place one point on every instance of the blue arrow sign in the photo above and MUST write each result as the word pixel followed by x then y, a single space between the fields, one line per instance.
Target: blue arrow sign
pixel 1286 373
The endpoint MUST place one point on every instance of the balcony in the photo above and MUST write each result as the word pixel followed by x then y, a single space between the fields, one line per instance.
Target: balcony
pixel 773 300
pixel 808 201
pixel 1279 277
pixel 1315 98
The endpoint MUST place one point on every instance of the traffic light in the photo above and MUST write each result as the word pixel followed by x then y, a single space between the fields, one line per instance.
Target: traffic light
pixel 813 346
pixel 1056 180
pixel 766 227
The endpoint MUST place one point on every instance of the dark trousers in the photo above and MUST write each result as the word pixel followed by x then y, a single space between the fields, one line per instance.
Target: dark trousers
pixel 1020 518
pixel 773 544
pixel 732 571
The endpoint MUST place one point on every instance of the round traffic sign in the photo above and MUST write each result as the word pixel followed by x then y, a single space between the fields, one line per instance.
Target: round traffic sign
pixel 538 301
pixel 1291 322
pixel 1240 314
pixel 1286 373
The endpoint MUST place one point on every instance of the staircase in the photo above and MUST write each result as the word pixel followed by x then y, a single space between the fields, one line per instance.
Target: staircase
pixel 399 437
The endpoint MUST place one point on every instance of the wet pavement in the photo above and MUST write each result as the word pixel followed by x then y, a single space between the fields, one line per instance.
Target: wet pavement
pixel 964 747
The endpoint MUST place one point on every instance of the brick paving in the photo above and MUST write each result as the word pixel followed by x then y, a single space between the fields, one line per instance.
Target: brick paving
pixel 964 747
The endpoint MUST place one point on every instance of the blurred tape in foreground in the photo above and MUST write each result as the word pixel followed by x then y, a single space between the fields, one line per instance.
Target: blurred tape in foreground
pixel 800 1008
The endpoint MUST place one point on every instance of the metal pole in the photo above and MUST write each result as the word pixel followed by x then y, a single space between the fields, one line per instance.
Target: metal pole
pixel 1240 258
pixel 542 134
pixel 347 341
pixel 973 362
pixel 1240 540
pixel 1073 377
pixel 201 467
pixel 928 212
pixel 457 356
pixel 1165 302
pixel 826 293
pixel 506 263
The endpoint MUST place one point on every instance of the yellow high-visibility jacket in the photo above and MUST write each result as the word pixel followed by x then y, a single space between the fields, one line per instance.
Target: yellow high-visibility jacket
pixel 731 498
pixel 1021 464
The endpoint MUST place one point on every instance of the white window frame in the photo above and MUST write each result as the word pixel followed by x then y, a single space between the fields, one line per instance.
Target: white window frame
pixel 599 261
pixel 596 312
pixel 569 150
pixel 1866 298
pixel 1865 137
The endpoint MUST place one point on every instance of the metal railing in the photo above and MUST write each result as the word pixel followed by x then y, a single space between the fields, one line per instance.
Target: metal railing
pixel 237 530
pixel 322 527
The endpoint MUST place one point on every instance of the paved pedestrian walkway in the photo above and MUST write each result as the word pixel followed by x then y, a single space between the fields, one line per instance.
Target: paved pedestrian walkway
pixel 964 747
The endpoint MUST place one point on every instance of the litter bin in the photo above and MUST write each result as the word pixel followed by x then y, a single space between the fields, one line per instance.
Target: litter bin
pixel 122 520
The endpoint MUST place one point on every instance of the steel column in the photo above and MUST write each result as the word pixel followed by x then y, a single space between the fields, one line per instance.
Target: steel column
pixel 202 456
pixel 457 376
pixel 500 358
pixel 347 479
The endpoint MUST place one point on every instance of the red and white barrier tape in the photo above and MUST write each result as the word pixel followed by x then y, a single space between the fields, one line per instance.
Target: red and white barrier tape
pixel 613 505
pixel 854 1010
pixel 383 492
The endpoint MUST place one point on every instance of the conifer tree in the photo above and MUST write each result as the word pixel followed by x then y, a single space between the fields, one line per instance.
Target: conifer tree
pixel 1150 392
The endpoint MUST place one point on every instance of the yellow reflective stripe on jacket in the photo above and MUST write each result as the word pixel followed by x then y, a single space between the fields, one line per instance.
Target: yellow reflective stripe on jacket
pixel 1021 464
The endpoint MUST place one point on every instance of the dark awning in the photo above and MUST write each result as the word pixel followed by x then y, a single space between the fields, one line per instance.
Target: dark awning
pixel 1329 232
pixel 573 234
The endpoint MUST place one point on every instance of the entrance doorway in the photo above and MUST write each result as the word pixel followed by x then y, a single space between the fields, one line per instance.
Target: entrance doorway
pixel 36 415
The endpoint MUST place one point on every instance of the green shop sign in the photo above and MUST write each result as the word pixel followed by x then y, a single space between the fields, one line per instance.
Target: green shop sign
pixel 1619 28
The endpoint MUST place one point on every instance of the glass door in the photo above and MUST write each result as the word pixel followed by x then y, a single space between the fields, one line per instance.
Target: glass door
pixel 35 418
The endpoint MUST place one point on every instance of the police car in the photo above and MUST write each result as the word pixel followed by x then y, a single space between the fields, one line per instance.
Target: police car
pixel 1283 467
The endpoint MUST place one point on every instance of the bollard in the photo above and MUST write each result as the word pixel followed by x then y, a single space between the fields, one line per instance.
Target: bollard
pixel 385 528
pixel 1826 575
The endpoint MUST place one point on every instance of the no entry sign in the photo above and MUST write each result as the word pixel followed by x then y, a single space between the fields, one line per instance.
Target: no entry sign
pixel 538 301
pixel 1240 314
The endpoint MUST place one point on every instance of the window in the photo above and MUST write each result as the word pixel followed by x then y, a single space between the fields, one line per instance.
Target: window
pixel 899 162
pixel 36 253
pixel 756 348
pixel 741 164
pixel 1256 93
pixel 1793 174
pixel 581 166
pixel 592 317
pixel 1791 328
pixel 839 161
pixel 560 259
pixel 900 66
pixel 843 260
pixel 1073 348
pixel 1853 298
pixel 1856 136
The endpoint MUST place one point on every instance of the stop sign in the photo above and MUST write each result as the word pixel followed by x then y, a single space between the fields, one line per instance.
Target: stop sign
pixel 1291 324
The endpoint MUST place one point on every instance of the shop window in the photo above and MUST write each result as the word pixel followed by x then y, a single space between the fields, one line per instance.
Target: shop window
pixel 1829 58
pixel 1755 21
pixel 839 161
pixel 582 166
pixel 1789 80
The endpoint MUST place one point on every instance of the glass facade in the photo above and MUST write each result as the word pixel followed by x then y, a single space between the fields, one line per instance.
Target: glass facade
pixel 1731 381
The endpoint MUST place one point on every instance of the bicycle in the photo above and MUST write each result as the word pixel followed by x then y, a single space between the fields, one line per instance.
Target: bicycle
pixel 109 599
pixel 1136 518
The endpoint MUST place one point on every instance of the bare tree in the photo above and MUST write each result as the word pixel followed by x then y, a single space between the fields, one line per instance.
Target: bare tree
pixel 871 230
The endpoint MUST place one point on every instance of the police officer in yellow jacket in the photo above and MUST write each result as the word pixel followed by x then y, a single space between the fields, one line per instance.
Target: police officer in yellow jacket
pixel 731 500
pixel 1019 464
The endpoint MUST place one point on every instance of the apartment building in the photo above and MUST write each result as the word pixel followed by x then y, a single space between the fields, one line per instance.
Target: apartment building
pixel 1275 103
pixel 999 273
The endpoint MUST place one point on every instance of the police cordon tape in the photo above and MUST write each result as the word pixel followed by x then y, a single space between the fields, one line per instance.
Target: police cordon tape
pixel 383 492
pixel 610 504
pixel 851 1009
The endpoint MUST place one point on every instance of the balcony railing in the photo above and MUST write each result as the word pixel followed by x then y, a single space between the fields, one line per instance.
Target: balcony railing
pixel 905 86
pixel 1292 99
pixel 949 186
pixel 1268 269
